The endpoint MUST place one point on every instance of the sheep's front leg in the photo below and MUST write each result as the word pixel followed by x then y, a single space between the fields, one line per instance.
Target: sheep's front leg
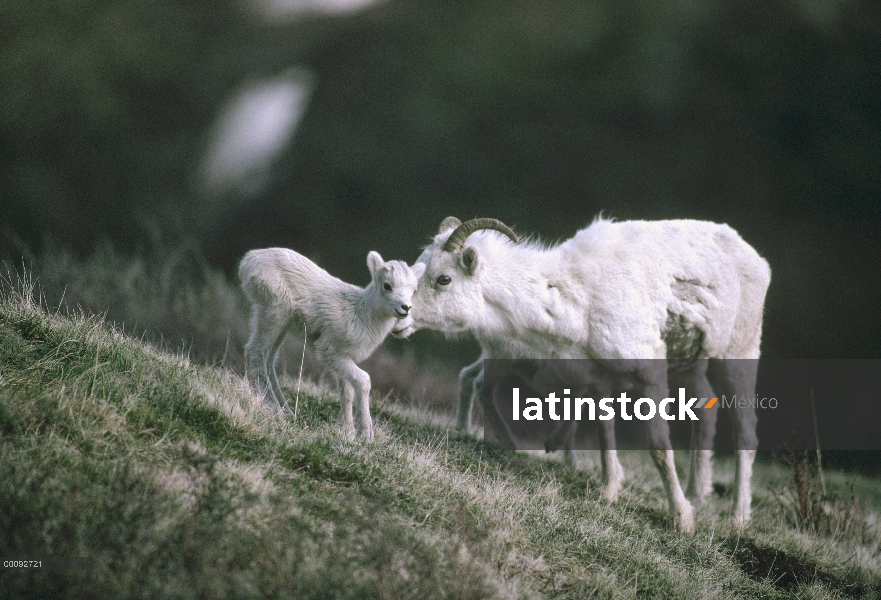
pixel 613 473
pixel 356 384
pixel 470 387
pixel 570 454
pixel 564 437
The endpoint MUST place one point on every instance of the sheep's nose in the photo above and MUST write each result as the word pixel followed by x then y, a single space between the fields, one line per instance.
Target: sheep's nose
pixel 405 308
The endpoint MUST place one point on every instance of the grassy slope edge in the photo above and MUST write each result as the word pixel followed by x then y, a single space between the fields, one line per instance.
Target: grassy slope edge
pixel 176 482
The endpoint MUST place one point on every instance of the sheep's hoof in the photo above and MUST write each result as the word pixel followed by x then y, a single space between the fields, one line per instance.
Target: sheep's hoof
pixel 570 458
pixel 349 431
pixel 609 493
pixel 612 486
pixel 741 517
pixel 684 520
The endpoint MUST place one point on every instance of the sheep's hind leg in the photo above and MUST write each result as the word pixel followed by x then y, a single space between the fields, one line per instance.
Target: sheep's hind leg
pixel 703 431
pixel 654 379
pixel 737 378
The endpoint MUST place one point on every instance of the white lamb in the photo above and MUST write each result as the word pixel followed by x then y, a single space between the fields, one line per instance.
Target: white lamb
pixel 344 324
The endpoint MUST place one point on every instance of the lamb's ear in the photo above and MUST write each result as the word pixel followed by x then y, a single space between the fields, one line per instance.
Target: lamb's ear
pixel 374 262
pixel 418 269
pixel 468 259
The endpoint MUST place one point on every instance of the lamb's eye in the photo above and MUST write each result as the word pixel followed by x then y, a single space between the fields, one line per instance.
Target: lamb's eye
pixel 387 287
pixel 444 280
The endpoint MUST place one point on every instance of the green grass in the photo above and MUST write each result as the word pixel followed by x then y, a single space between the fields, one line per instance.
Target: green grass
pixel 176 482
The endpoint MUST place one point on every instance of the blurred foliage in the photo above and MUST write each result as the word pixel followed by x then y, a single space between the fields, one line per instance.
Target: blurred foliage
pixel 763 115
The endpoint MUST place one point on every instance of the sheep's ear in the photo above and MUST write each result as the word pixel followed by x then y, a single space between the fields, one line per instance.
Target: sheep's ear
pixel 374 262
pixel 449 223
pixel 468 259
pixel 418 269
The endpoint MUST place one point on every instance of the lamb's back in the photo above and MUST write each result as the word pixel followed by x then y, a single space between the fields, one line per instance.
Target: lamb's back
pixel 271 275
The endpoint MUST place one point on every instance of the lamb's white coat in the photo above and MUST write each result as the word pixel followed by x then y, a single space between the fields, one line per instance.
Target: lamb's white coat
pixel 344 323
pixel 616 290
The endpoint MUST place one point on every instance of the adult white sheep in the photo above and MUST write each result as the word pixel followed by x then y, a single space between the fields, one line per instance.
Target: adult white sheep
pixel 628 290
pixel 344 324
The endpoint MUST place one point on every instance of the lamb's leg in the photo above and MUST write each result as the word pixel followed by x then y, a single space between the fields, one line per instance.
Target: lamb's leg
pixel 362 390
pixel 468 390
pixel 653 376
pixel 273 375
pixel 347 398
pixel 357 384
pixel 737 378
pixel 265 332
pixel 700 480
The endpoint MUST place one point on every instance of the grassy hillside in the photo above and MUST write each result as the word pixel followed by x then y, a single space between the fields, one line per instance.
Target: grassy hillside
pixel 175 482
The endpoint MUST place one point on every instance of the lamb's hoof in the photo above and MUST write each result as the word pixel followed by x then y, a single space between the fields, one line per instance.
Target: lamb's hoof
pixel 349 431
pixel 367 431
pixel 683 520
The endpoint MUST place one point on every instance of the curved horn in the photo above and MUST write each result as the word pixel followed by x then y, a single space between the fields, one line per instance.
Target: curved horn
pixel 458 237
pixel 448 223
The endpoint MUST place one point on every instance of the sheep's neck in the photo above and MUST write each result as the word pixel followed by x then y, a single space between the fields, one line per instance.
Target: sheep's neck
pixel 522 300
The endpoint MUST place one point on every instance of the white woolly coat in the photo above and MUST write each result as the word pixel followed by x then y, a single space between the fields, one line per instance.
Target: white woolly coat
pixel 632 289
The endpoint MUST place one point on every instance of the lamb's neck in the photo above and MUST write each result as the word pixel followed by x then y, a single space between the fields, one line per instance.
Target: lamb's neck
pixel 365 306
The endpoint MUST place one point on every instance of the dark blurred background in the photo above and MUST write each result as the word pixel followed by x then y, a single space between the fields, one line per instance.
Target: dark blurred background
pixel 339 126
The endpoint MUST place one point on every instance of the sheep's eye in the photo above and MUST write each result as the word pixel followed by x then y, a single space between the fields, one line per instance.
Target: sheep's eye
pixel 387 287
pixel 444 280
